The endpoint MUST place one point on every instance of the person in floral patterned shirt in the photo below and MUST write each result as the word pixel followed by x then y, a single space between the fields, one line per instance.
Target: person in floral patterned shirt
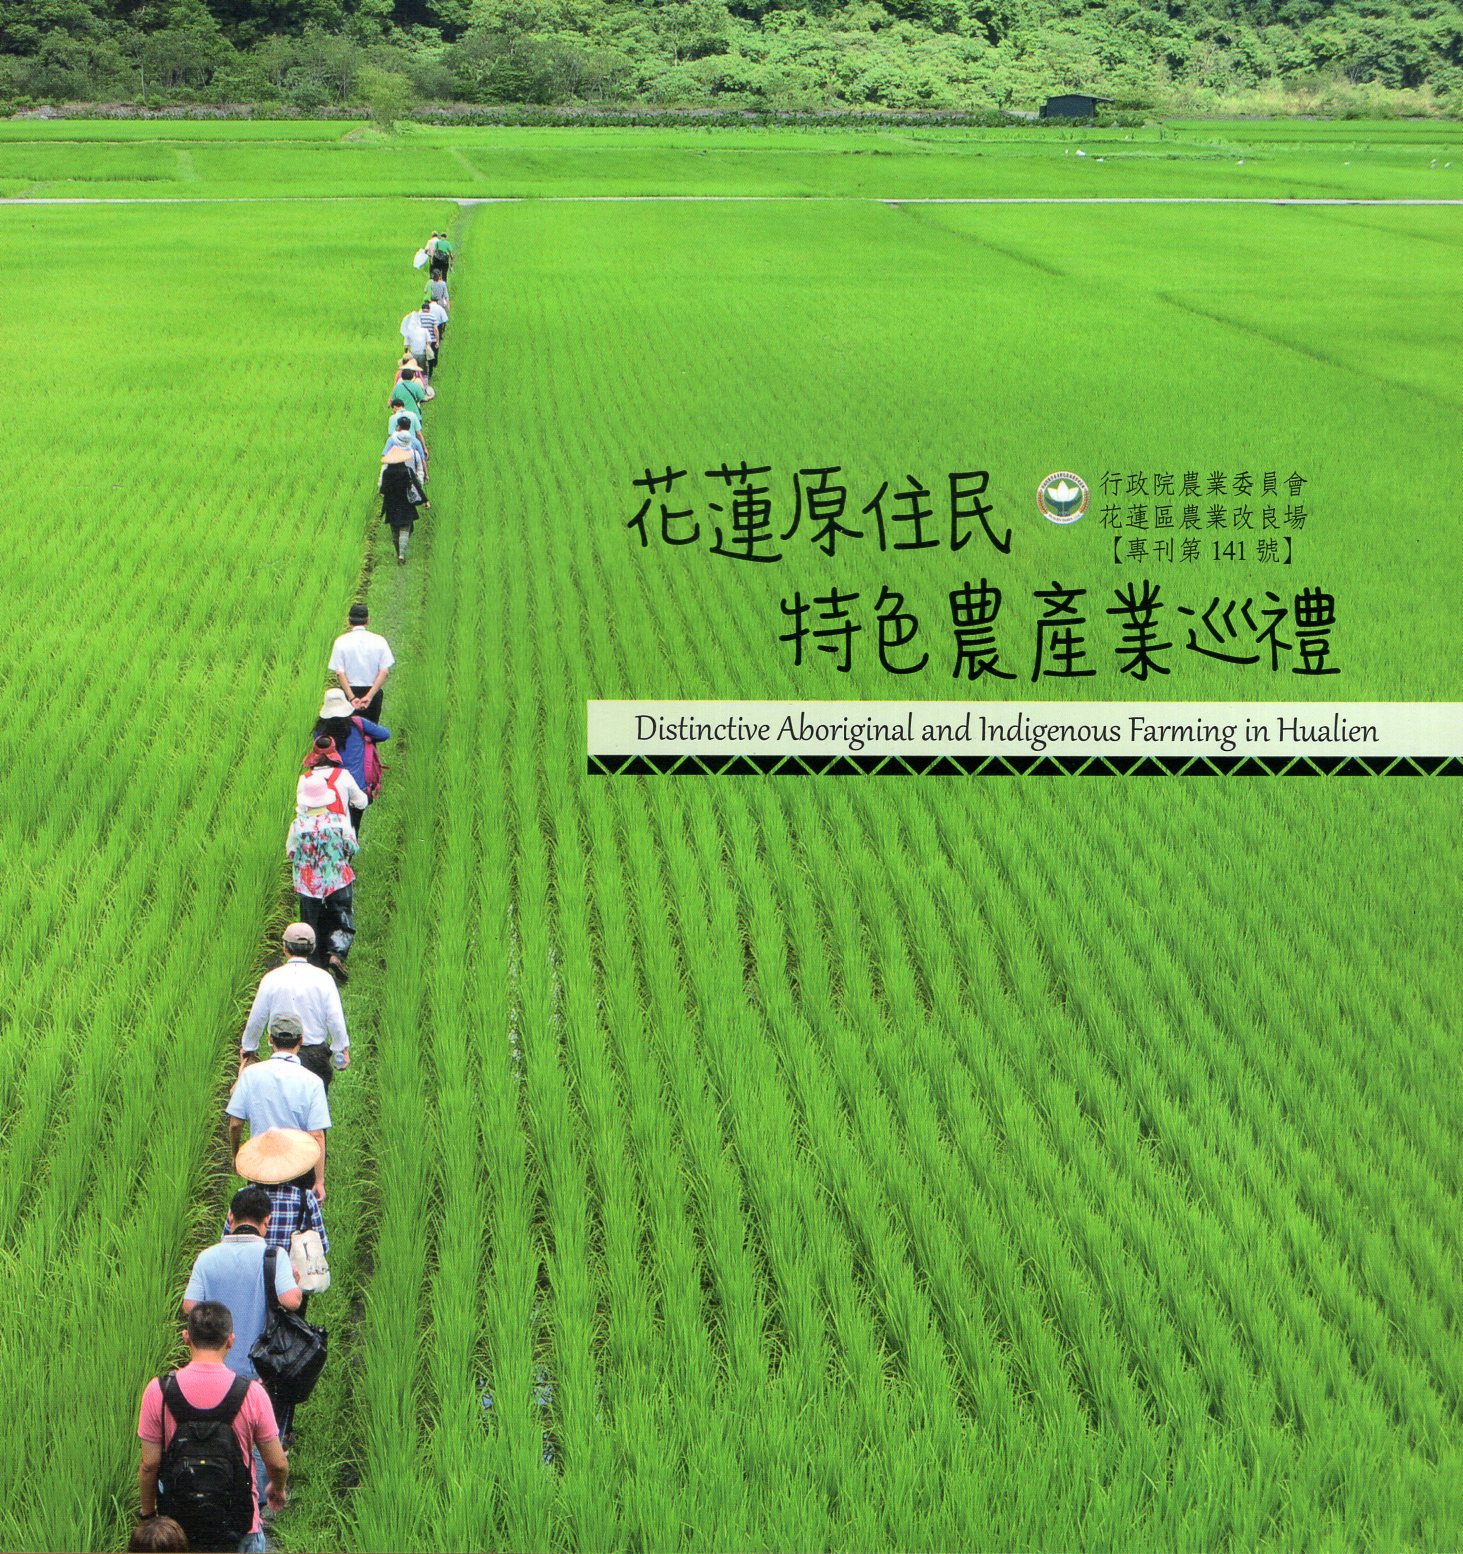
pixel 320 846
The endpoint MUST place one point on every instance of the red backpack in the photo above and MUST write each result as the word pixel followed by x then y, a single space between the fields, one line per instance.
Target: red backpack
pixel 372 762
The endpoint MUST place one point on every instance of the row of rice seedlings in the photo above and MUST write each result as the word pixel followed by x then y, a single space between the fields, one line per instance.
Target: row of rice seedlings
pixel 652 940
pixel 740 1320
pixel 742 1335
pixel 558 1130
pixel 800 1359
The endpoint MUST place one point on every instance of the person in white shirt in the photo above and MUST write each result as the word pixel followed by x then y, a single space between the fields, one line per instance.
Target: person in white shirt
pixel 416 331
pixel 281 1093
pixel 309 992
pixel 361 660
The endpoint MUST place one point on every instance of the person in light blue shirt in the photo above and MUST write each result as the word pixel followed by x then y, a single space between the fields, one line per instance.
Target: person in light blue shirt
pixel 232 1273
pixel 281 1093
pixel 411 416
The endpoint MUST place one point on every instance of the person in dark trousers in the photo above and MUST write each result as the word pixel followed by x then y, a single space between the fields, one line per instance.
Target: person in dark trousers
pixel 439 256
pixel 301 991
pixel 320 846
pixel 360 660
pixel 401 495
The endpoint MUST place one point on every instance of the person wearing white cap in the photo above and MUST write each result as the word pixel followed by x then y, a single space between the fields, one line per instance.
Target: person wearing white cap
pixel 280 1093
pixel 309 993
pixel 320 846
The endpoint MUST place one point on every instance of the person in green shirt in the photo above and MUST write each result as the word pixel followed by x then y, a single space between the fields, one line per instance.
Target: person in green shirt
pixel 441 256
pixel 410 392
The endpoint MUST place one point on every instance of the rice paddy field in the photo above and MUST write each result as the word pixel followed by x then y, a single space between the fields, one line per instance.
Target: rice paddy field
pixel 741 1163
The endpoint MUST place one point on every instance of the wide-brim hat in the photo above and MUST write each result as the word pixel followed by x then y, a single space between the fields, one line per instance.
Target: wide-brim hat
pixel 336 705
pixel 313 792
pixel 277 1155
pixel 397 453
pixel 409 361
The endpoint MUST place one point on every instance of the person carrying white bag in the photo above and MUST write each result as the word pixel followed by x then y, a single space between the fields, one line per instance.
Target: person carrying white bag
pixel 284 1162
pixel 289 1164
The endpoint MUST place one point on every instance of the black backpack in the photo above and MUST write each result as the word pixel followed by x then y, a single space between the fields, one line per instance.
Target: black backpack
pixel 290 1353
pixel 204 1482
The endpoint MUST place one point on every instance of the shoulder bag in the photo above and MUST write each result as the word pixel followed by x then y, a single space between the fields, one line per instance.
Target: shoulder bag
pixel 290 1353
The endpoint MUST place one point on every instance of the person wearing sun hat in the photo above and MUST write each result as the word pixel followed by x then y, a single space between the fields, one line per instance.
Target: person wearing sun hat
pixel 284 1162
pixel 320 846
pixel 401 493
pixel 353 733
pixel 287 1163
pixel 404 437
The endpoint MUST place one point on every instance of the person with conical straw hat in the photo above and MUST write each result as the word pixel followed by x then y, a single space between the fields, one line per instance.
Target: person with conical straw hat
pixel 289 1164
pixel 401 494
pixel 284 1162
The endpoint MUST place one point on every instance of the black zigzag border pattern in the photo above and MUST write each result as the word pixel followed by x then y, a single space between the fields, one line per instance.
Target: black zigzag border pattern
pixel 728 765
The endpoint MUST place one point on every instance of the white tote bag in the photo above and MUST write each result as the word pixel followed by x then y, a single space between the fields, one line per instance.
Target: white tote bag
pixel 307 1262
pixel 420 262
pixel 307 1257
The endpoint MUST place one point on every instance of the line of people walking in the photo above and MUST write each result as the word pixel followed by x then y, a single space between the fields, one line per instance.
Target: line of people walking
pixel 404 459
pixel 215 1432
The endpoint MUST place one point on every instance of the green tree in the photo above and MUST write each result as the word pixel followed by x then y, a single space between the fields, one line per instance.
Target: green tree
pixel 387 95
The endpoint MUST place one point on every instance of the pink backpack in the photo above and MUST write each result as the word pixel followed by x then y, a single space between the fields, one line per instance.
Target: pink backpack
pixel 372 763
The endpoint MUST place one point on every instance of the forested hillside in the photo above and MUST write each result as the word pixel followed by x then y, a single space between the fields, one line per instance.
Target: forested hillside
pixel 309 55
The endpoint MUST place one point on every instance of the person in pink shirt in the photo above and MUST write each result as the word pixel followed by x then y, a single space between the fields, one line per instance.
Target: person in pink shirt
pixel 217 1506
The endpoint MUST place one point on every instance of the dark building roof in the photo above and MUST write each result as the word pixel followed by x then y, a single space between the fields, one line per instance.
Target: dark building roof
pixel 1071 105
